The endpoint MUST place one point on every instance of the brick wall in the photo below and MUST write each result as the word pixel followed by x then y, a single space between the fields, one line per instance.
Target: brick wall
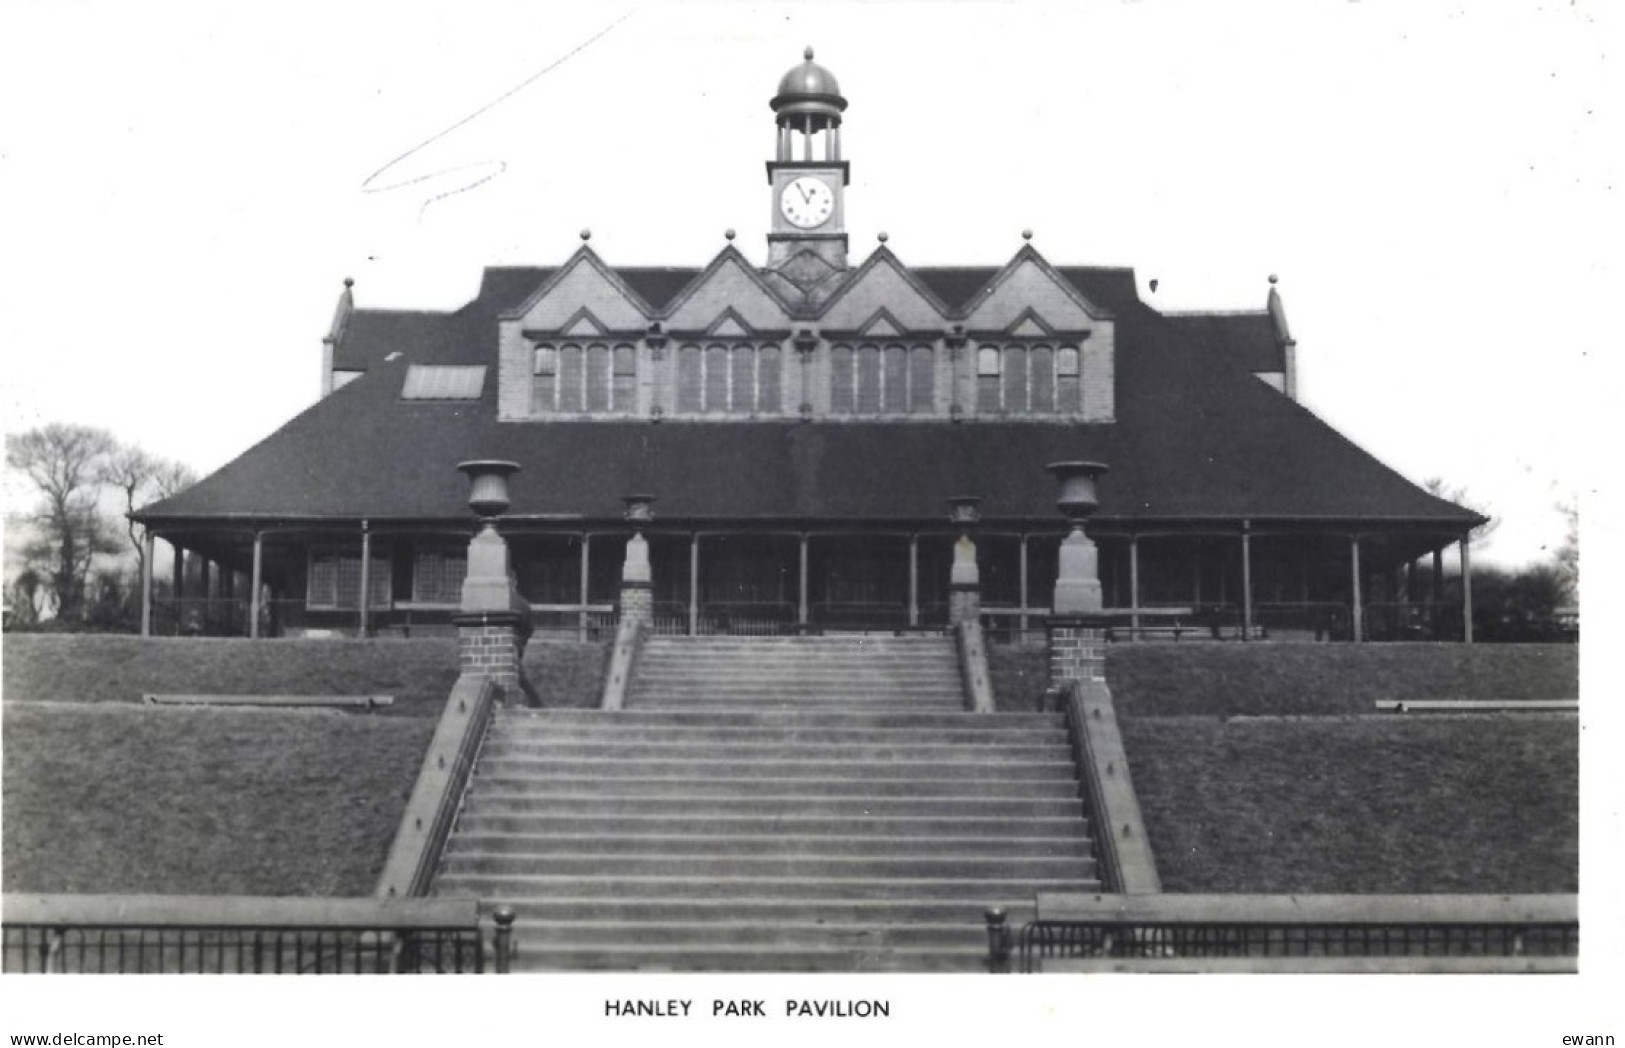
pixel 1077 651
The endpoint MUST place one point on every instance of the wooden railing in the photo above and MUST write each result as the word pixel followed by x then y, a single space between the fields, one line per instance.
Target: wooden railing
pixel 238 934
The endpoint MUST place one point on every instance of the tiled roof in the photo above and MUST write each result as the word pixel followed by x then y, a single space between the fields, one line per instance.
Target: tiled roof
pixel 1246 338
pixel 1195 437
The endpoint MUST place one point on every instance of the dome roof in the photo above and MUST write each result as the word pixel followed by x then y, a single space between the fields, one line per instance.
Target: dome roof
pixel 809 88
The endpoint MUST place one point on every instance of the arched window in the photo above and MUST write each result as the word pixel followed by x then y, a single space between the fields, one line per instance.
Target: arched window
pixel 690 379
pixel 1041 386
pixel 742 388
pixel 570 375
pixel 842 372
pixel 1028 380
pixel 894 380
pixel 768 381
pixel 625 391
pixel 922 380
pixel 1068 381
pixel 544 390
pixel 988 370
pixel 598 378
pixel 716 378
pixel 868 398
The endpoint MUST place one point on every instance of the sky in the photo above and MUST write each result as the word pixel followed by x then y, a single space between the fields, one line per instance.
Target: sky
pixel 184 197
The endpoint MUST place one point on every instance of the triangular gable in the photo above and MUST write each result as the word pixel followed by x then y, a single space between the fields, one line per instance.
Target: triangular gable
pixel 881 325
pixel 584 284
pixel 584 325
pixel 1030 325
pixel 729 324
pixel 882 282
pixel 729 285
pixel 1010 297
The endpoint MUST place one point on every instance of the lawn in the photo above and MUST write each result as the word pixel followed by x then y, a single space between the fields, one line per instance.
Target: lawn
pixel 108 797
pixel 104 794
pixel 1464 803
pixel 1229 679
pixel 419 673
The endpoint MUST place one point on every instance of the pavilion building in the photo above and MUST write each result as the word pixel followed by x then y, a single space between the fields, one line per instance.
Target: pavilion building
pixel 802 426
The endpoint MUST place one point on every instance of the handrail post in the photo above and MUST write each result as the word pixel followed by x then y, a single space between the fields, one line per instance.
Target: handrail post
pixel 998 941
pixel 502 941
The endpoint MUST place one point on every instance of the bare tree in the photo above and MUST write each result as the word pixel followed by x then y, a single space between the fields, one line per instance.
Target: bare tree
pixel 64 463
pixel 1437 487
pixel 142 478
pixel 1568 554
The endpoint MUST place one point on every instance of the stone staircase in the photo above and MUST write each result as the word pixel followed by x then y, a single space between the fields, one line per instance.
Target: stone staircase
pixel 777 804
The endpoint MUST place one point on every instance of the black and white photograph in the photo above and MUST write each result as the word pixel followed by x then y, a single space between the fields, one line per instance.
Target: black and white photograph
pixel 789 521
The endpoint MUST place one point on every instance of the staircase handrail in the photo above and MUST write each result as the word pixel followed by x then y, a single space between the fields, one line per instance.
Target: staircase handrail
pixel 1123 850
pixel 623 662
pixel 438 793
pixel 973 671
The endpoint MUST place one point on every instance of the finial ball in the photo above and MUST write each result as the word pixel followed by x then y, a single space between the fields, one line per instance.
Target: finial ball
pixel 1273 278
pixel 882 236
pixel 586 234
pixel 349 281
pixel 729 233
pixel 1026 234
pixel 808 53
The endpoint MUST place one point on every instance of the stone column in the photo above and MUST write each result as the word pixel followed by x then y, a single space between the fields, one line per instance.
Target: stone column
pixel 493 622
pixel 637 577
pixel 964 578
pixel 1077 627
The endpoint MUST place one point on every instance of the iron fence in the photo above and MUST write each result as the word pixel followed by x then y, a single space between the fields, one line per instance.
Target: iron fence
pixel 212 934
pixel 1175 927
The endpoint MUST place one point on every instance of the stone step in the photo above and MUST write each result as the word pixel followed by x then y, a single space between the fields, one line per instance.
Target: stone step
pixel 583 957
pixel 1019 909
pixel 782 768
pixel 518 863
pixel 611 732
pixel 786 719
pixel 594 803
pixel 793 682
pixel 748 706
pixel 724 844
pixel 496 784
pixel 969 891
pixel 969 933
pixel 778 749
pixel 995 830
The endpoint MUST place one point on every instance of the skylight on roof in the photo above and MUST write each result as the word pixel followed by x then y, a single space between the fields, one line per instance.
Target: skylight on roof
pixel 442 382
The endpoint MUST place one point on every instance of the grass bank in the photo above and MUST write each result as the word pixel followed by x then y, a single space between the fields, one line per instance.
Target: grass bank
pixel 419 673
pixel 1155 680
pixel 111 797
pixel 1452 803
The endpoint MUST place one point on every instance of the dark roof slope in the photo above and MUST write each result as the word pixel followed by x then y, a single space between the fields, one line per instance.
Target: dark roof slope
pixel 1195 437
pixel 1246 338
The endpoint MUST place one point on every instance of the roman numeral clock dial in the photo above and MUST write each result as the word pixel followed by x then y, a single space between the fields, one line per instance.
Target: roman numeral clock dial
pixel 807 202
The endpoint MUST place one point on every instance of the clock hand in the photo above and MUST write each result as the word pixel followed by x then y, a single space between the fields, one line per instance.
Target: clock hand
pixel 806 197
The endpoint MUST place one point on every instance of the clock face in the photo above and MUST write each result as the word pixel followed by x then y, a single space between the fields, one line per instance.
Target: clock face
pixel 807 202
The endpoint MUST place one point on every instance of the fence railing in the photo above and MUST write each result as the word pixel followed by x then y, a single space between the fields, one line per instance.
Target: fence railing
pixel 1411 621
pixel 127 934
pixel 1171 931
pixel 1304 620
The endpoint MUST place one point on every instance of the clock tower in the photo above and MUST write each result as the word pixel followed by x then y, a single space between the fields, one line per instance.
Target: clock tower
pixel 806 245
